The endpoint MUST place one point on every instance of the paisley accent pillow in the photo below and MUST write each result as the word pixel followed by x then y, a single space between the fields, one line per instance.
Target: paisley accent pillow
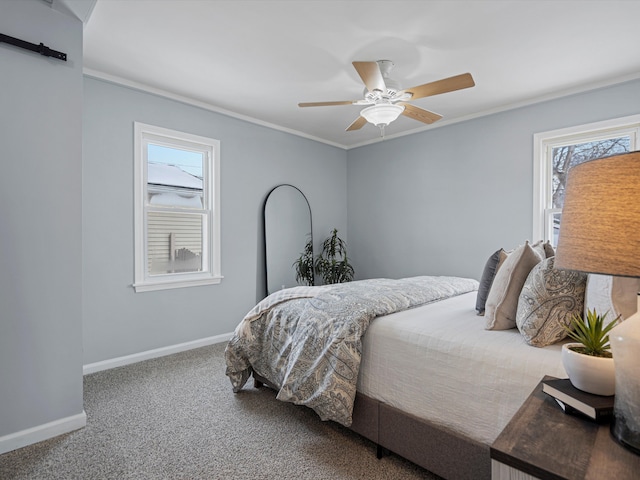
pixel 548 300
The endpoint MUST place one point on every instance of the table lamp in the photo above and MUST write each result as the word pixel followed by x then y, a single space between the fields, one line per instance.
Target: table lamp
pixel 600 233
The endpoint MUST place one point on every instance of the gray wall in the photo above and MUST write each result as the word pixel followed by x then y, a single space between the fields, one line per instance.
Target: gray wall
pixel 434 203
pixel 40 220
pixel 440 202
pixel 254 159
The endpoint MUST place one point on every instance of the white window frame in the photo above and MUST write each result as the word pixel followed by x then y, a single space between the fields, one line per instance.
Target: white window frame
pixel 543 145
pixel 211 271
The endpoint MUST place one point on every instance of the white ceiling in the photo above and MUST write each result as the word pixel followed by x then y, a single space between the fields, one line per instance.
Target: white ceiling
pixel 258 59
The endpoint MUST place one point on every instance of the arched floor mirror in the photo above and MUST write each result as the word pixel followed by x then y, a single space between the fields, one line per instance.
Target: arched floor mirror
pixel 287 229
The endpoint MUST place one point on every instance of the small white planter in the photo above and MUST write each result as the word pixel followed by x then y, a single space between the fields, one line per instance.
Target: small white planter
pixel 589 374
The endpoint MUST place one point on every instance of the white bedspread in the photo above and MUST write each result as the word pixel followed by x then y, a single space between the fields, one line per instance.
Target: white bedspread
pixel 475 379
pixel 307 341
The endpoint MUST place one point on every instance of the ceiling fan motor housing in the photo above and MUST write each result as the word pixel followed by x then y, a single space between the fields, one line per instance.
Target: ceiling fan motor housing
pixel 391 86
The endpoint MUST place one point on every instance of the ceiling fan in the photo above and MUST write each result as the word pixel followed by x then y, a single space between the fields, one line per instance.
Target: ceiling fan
pixel 387 100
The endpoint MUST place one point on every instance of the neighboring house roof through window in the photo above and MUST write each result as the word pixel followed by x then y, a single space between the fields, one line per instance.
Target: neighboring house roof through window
pixel 170 175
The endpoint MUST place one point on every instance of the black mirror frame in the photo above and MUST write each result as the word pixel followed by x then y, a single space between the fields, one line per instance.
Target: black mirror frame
pixel 264 226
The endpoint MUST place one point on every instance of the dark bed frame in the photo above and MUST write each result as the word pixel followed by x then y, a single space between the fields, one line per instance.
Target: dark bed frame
pixel 433 447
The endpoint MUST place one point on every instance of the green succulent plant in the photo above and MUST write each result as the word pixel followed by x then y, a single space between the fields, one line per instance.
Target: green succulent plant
pixel 593 334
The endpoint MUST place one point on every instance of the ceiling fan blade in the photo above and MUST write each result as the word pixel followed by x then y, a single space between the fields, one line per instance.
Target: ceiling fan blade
pixel 326 104
pixel 419 114
pixel 357 124
pixel 445 85
pixel 371 76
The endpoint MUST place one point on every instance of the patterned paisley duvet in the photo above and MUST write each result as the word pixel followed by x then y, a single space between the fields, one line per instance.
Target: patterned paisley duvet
pixel 307 340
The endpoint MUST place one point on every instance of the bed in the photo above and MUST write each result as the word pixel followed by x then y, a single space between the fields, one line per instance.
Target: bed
pixel 420 376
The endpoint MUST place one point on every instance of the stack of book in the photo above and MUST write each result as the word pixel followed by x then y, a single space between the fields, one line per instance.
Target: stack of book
pixel 574 401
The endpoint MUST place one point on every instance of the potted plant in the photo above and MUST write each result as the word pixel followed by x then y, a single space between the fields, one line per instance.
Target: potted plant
pixel 589 362
pixel 304 264
pixel 332 263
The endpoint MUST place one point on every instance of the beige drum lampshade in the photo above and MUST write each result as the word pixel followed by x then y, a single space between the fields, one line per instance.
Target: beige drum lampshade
pixel 600 225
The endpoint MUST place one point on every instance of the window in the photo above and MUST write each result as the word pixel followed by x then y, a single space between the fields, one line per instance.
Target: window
pixel 557 151
pixel 177 209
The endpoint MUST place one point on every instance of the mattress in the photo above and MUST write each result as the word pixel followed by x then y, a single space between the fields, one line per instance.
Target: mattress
pixel 437 362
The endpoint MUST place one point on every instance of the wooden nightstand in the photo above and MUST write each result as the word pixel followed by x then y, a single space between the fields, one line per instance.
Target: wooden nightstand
pixel 542 442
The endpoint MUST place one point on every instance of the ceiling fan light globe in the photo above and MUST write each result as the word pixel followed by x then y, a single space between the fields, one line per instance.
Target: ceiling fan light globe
pixel 382 114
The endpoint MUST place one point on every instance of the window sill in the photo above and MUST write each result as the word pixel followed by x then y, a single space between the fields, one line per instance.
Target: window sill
pixel 150 286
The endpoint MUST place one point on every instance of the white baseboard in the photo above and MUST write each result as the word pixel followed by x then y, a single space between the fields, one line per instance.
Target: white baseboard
pixel 49 430
pixel 42 432
pixel 155 353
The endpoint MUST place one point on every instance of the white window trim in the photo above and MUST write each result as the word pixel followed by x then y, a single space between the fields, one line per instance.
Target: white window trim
pixel 544 142
pixel 212 275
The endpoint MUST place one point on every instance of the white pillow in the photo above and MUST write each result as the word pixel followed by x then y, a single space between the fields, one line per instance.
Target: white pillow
pixel 544 249
pixel 502 302
pixel 616 295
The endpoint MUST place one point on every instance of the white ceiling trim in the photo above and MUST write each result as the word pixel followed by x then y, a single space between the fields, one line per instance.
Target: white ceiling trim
pixel 197 103
pixel 443 123
pixel 511 106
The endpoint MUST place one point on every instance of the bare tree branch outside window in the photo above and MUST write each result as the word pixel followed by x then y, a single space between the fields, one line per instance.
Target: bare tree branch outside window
pixel 568 156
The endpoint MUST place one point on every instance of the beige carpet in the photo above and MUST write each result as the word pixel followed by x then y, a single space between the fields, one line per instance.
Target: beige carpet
pixel 176 417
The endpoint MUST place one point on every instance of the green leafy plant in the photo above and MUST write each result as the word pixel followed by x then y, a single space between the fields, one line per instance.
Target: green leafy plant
pixel 332 263
pixel 593 334
pixel 304 265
